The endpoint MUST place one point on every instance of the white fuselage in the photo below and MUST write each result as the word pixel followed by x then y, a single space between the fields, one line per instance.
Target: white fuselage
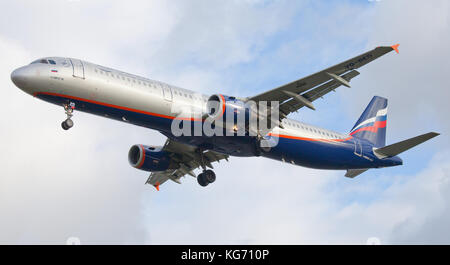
pixel 109 86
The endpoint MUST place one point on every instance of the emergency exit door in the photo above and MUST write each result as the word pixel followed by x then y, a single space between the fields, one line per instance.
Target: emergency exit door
pixel 78 68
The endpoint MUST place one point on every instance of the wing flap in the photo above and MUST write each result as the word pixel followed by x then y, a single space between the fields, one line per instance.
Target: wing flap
pixel 188 160
pixel 329 86
pixel 158 178
pixel 292 105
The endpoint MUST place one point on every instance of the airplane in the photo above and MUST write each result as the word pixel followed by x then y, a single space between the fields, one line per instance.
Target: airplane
pixel 79 85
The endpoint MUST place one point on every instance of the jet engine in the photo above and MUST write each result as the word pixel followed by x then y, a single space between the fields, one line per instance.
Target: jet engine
pixel 230 111
pixel 150 158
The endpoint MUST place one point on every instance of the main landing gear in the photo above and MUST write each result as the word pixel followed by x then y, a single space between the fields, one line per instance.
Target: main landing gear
pixel 206 177
pixel 68 123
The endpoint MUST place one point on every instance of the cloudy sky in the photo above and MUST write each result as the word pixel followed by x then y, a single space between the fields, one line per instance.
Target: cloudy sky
pixel 57 184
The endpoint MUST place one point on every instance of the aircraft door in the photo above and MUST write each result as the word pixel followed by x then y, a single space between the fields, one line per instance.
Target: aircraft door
pixel 358 147
pixel 78 68
pixel 167 91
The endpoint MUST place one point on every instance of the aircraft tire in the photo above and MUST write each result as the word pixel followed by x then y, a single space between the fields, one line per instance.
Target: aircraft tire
pixel 209 176
pixel 69 123
pixel 64 125
pixel 201 180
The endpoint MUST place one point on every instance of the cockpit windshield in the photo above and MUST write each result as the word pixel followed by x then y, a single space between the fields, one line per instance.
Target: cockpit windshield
pixel 40 61
pixel 45 61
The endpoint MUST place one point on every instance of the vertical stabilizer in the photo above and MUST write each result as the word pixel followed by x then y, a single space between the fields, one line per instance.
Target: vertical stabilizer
pixel 371 125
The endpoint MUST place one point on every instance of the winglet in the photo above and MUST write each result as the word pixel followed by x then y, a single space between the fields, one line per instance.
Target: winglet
pixel 157 186
pixel 395 47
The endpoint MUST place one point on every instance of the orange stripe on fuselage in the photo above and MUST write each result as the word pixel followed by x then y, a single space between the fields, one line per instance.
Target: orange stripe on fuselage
pixel 171 117
pixel 309 139
pixel 115 106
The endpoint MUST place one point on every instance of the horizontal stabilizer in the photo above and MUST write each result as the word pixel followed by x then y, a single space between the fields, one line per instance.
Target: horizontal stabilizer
pixel 400 147
pixel 351 173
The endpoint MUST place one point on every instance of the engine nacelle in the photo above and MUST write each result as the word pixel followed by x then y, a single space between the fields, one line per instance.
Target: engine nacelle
pixel 150 158
pixel 230 111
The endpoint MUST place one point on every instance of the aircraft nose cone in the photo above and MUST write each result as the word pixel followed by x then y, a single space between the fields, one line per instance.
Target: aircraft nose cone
pixel 17 76
pixel 20 77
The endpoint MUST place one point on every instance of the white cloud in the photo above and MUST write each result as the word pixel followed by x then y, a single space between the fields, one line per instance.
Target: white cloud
pixel 273 204
pixel 57 184
pixel 414 81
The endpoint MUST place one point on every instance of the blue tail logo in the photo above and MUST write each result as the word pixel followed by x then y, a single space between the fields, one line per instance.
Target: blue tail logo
pixel 371 125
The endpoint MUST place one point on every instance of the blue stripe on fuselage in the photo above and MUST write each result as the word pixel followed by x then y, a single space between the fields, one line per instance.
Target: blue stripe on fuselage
pixel 328 154
pixel 317 154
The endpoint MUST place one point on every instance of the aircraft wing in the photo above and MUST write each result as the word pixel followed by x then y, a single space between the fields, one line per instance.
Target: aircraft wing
pixel 303 92
pixel 188 159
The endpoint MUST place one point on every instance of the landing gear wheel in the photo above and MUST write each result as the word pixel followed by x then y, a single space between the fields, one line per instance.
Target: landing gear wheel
pixel 201 180
pixel 64 126
pixel 209 176
pixel 68 123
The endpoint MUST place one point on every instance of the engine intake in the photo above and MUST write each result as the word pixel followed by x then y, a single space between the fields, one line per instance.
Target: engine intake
pixel 230 111
pixel 150 158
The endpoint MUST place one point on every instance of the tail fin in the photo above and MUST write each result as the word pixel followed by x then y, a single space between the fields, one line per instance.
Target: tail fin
pixel 372 123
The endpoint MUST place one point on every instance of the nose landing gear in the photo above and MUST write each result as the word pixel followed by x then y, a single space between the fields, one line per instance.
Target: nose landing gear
pixel 68 123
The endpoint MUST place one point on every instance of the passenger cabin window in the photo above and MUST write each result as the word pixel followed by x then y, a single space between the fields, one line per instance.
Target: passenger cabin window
pixel 51 62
